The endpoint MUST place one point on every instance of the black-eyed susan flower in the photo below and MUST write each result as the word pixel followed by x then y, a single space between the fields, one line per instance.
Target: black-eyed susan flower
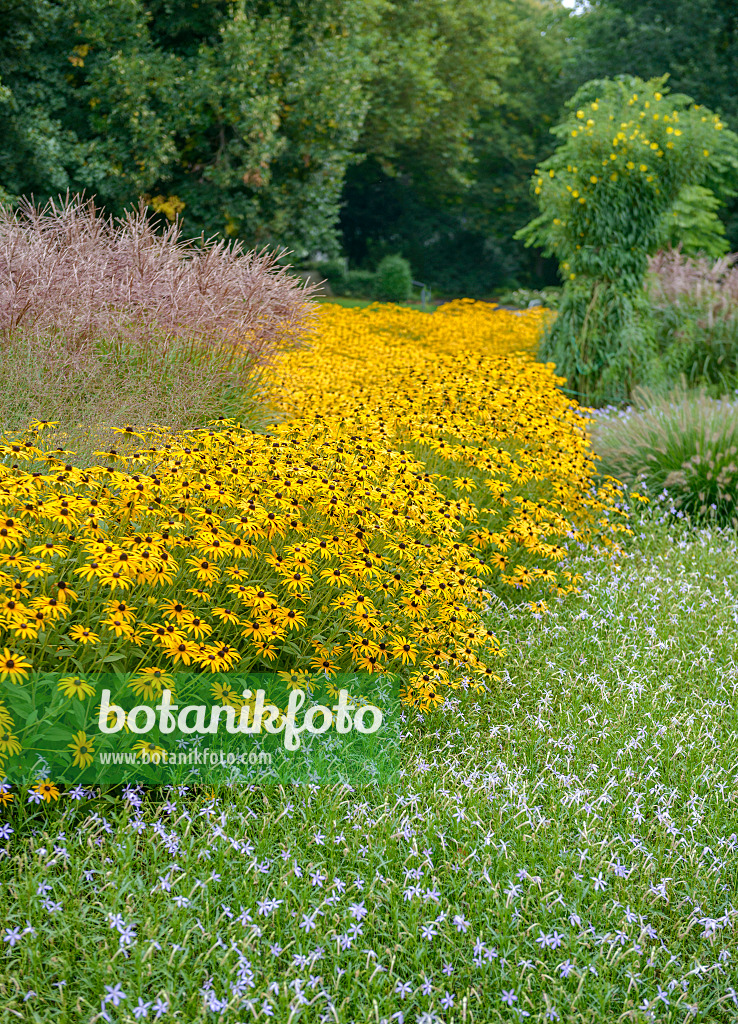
pixel 193 625
pixel 13 666
pixel 323 664
pixel 225 694
pixel 25 629
pixel 83 750
pixel 50 548
pixel 295 680
pixel 291 618
pixel 83 635
pixel 226 615
pixel 181 651
pixel 75 686
pixel 149 751
pixel 9 745
pixel 217 657
pixel 36 570
pixel 402 648
pixel 47 790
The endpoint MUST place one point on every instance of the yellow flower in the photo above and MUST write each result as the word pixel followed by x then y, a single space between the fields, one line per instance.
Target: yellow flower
pixel 185 651
pixel 83 635
pixel 35 570
pixel 224 694
pixel 47 790
pixel 403 649
pixel 217 657
pixel 75 686
pixel 195 626
pixel 149 683
pixel 205 571
pixel 83 750
pixel 118 626
pixel 24 629
pixel 226 615
pixel 295 680
pixel 9 744
pixel 149 751
pixel 13 666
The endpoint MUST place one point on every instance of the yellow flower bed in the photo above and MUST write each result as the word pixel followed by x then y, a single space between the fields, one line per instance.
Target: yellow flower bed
pixel 423 461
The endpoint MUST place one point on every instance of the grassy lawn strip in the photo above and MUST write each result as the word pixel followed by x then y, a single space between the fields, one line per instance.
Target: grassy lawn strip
pixel 565 852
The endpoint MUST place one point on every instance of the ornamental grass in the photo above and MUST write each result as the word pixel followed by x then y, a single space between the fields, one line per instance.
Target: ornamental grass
pixel 422 464
pixel 103 321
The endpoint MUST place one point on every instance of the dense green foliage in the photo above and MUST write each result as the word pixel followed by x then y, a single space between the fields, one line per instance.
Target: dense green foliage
pixel 242 115
pixel 627 151
pixel 462 240
pixel 695 42
pixel 686 443
pixel 418 125
pixel 394 280
pixel 458 234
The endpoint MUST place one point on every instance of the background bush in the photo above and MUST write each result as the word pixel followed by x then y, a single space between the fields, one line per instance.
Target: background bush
pixel 684 443
pixel 359 284
pixel 393 280
pixel 334 271
pixel 627 152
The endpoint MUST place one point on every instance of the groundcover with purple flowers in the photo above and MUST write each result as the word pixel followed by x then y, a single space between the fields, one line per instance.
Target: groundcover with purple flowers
pixel 562 849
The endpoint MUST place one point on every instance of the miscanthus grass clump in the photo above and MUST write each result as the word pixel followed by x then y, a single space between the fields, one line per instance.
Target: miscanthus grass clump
pixel 107 321
pixel 563 851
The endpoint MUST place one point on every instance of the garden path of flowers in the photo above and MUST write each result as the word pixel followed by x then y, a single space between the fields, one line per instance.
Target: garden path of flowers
pixel 563 843
pixel 421 461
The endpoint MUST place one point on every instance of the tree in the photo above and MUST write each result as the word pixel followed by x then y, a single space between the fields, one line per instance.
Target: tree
pixel 695 42
pixel 243 114
pixel 455 221
pixel 627 152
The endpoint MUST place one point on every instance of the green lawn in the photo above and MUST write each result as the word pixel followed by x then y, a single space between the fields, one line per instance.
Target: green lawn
pixel 362 303
pixel 566 851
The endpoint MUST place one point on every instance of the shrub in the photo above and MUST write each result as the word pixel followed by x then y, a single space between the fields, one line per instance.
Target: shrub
pixel 359 284
pixel 108 320
pixel 527 298
pixel 334 271
pixel 626 154
pixel 394 279
pixel 693 224
pixel 694 306
pixel 685 443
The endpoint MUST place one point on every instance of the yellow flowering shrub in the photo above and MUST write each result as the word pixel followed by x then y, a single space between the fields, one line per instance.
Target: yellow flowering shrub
pixel 422 462
pixel 629 154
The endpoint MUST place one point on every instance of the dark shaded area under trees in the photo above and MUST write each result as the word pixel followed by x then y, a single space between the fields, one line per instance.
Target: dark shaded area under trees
pixel 335 126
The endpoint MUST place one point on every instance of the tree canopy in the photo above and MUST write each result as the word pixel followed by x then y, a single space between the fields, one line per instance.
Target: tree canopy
pixel 368 127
